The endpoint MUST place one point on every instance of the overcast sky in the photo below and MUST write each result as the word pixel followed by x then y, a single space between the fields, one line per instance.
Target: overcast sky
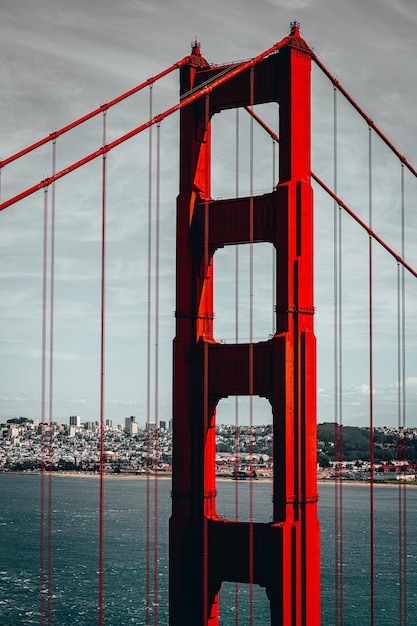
pixel 59 60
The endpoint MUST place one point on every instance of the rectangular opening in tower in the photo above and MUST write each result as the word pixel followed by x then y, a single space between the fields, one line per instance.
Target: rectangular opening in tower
pixel 245 153
pixel 244 293
pixel 238 603
pixel 244 460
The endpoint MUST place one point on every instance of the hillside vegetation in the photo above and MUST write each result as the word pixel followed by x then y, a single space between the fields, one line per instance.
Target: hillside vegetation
pixel 355 444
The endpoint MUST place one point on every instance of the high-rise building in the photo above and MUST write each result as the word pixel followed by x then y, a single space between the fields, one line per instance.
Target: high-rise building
pixel 75 420
pixel 131 425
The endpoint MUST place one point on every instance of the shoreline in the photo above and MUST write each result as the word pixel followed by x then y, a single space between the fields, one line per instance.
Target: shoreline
pixel 167 476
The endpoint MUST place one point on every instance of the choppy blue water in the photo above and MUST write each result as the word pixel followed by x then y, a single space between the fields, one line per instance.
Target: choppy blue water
pixel 75 552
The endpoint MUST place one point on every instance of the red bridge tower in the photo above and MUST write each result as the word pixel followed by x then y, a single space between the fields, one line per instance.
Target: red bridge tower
pixel 281 555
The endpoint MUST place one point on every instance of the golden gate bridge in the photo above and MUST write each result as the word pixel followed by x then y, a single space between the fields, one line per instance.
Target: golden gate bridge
pixel 281 554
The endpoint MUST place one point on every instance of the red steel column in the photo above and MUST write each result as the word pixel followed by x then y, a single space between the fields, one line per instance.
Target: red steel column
pixel 294 395
pixel 193 484
pixel 204 550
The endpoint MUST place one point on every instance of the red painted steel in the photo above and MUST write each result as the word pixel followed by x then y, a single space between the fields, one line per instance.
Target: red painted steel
pixel 102 375
pixel 217 79
pixel 101 109
pixel 364 115
pixel 400 260
pixel 204 549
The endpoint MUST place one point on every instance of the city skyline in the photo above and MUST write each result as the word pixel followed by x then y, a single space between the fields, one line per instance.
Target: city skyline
pixel 59 63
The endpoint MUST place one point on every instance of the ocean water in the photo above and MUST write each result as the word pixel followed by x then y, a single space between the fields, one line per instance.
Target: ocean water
pixel 75 552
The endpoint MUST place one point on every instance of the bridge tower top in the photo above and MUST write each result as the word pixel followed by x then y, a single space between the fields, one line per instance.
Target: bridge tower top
pixel 196 58
pixel 295 29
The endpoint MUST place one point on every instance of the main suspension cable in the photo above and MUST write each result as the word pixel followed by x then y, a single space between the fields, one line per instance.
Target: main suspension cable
pixel 101 109
pixel 158 118
pixel 345 207
pixel 364 115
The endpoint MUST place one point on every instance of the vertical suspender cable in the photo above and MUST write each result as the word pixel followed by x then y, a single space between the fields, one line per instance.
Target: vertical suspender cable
pixel 338 430
pixel 404 407
pixel 340 404
pixel 156 401
pixel 251 371
pixel 43 412
pixel 206 415
pixel 399 443
pixel 402 442
pixel 335 367
pixel 400 451
pixel 236 446
pixel 404 394
pixel 148 375
pixel 102 373
pixel 371 392
pixel 51 381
